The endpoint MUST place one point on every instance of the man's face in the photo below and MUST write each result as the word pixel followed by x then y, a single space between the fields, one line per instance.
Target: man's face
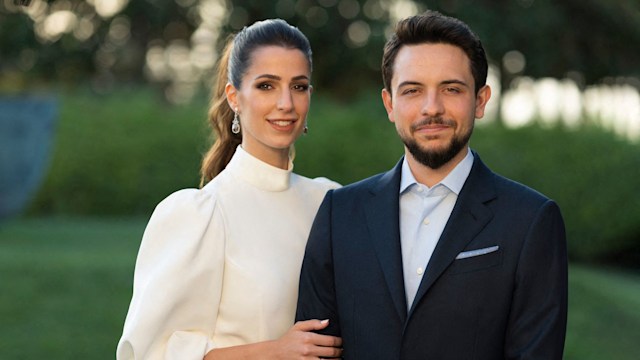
pixel 433 103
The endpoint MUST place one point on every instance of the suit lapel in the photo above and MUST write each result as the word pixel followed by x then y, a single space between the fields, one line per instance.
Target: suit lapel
pixel 382 213
pixel 469 216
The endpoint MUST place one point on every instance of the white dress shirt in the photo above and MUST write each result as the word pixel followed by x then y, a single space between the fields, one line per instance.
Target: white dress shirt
pixel 220 266
pixel 424 212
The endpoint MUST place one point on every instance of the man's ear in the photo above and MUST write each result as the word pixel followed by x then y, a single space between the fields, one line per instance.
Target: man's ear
pixel 387 101
pixel 232 96
pixel 482 98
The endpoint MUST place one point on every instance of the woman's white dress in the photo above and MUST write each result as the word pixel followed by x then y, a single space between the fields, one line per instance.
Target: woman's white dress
pixel 220 266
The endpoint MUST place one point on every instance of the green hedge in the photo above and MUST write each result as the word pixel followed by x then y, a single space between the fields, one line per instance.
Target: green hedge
pixel 593 175
pixel 121 154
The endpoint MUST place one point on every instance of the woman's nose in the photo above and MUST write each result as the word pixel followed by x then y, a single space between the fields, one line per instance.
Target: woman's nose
pixel 285 102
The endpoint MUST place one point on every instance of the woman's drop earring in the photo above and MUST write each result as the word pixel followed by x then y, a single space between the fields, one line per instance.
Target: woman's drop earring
pixel 305 130
pixel 235 124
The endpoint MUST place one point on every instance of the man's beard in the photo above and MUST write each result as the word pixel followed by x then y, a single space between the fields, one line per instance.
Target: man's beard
pixel 436 158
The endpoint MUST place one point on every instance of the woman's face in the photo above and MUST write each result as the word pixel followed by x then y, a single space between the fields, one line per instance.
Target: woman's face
pixel 272 102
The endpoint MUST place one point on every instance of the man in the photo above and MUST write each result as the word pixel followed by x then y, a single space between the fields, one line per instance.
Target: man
pixel 438 258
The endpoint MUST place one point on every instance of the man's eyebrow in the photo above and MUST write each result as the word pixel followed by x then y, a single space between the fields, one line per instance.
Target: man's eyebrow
pixel 409 83
pixel 454 81
pixel 443 82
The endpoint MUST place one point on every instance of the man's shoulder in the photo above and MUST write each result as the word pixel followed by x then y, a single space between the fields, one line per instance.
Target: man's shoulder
pixel 364 186
pixel 482 176
pixel 518 191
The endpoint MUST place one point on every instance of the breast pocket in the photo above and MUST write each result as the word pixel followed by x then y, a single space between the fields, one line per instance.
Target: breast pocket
pixel 478 262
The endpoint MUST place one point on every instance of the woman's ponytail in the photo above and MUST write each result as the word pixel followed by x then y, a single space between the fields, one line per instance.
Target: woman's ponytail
pixel 220 118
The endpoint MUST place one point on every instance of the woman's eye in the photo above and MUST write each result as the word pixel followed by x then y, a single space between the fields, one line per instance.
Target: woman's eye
pixel 265 86
pixel 301 87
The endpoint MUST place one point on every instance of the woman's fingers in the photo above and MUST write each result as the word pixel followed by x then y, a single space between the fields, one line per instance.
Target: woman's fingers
pixel 310 325
pixel 323 346
pixel 328 352
pixel 327 340
pixel 318 339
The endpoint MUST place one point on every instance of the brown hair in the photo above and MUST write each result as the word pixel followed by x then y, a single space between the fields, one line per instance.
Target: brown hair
pixel 232 65
pixel 220 117
pixel 435 28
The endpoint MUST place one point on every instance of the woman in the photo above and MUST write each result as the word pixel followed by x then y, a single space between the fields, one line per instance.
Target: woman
pixel 217 272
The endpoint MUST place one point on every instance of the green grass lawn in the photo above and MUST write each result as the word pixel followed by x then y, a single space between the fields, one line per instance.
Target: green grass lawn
pixel 65 286
pixel 604 314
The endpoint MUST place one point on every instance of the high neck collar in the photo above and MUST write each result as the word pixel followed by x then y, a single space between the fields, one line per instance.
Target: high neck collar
pixel 258 173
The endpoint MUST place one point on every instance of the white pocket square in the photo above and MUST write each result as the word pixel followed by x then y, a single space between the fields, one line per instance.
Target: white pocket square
pixel 478 252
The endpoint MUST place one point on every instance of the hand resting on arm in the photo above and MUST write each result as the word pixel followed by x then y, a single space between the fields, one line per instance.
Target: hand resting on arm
pixel 300 342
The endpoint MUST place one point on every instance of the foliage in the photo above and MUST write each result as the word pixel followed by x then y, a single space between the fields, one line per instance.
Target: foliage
pixel 71 57
pixel 557 37
pixel 67 285
pixel 593 38
pixel 347 142
pixel 592 175
pixel 120 155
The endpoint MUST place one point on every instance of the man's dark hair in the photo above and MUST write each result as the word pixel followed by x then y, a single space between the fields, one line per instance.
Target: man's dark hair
pixel 432 27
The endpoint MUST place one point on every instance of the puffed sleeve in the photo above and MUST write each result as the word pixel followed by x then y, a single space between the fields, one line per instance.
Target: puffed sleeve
pixel 330 184
pixel 177 282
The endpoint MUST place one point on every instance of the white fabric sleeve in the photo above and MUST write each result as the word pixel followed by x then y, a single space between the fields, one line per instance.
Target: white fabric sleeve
pixel 178 281
pixel 326 181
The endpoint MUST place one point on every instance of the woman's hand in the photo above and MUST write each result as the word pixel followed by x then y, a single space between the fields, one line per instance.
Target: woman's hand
pixel 300 342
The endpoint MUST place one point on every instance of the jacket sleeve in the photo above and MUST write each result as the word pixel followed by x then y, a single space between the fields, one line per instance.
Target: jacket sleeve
pixel 317 297
pixel 538 315
pixel 177 282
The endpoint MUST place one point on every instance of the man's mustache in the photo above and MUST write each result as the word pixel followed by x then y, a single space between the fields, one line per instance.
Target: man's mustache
pixel 433 120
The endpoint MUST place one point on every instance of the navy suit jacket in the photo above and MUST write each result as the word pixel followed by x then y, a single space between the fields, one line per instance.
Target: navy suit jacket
pixel 510 303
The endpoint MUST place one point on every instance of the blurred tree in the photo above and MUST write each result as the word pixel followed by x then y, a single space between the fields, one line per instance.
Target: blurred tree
pixel 75 41
pixel 588 39
pixel 174 43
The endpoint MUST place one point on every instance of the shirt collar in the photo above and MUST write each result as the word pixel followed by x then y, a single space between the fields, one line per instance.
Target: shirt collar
pixel 453 181
pixel 257 172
